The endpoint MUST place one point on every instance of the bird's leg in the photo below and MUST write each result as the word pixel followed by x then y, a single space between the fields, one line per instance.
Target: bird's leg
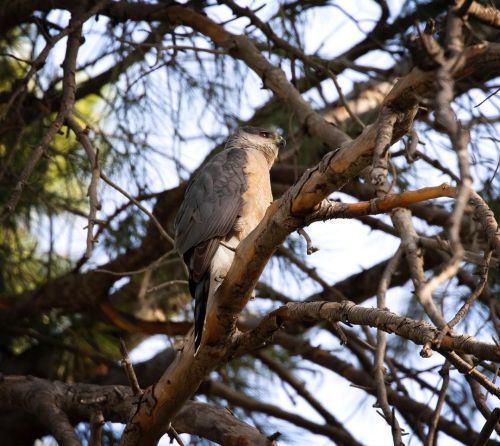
pixel 231 248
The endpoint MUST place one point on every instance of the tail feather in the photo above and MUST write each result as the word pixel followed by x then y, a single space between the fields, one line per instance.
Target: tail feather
pixel 201 290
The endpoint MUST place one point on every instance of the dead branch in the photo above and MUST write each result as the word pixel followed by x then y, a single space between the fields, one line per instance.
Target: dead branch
pixel 311 272
pixel 158 225
pixel 402 221
pixel 449 61
pixel 97 173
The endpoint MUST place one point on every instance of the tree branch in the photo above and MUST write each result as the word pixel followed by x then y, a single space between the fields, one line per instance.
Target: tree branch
pixel 419 332
pixel 53 402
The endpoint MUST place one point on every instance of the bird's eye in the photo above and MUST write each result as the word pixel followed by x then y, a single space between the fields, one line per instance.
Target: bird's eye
pixel 264 134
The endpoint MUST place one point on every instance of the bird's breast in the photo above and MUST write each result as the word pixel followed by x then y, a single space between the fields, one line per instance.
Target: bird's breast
pixel 257 196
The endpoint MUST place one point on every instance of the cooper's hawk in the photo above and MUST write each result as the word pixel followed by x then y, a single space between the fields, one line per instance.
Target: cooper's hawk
pixel 223 203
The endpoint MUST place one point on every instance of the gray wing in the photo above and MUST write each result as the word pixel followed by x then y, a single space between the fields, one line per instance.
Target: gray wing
pixel 210 208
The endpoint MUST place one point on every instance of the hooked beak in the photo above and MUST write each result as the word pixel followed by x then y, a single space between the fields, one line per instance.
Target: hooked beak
pixel 280 142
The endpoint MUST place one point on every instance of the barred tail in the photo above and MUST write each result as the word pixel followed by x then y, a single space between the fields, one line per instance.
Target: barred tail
pixel 200 293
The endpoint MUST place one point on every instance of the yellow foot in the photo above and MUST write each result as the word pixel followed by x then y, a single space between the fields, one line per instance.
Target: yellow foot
pixel 220 278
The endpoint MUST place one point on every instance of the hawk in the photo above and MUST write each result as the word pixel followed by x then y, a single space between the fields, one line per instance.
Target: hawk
pixel 223 203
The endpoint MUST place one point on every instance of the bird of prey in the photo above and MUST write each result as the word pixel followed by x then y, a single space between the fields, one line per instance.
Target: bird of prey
pixel 223 203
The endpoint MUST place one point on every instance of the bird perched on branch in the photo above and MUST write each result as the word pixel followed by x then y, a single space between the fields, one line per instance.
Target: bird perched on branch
pixel 224 202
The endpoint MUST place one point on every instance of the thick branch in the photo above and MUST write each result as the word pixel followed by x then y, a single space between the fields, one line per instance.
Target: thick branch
pixel 55 401
pixel 419 332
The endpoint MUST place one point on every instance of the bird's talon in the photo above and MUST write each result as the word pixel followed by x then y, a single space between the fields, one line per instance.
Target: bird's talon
pixel 220 278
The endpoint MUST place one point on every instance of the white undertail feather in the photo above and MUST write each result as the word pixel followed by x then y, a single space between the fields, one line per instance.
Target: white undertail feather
pixel 219 266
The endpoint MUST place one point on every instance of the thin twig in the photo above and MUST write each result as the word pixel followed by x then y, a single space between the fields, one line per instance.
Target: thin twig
pixel 343 100
pixel 152 266
pixel 140 206
pixel 129 369
pixel 432 435
pixel 172 47
pixel 172 433
pixel 487 97
pixel 163 285
pixel 464 367
pixel 480 400
pixel 287 376
pixel 311 249
pixel 378 366
pixel 93 156
pixel 437 164
pixel 311 272
pixel 476 293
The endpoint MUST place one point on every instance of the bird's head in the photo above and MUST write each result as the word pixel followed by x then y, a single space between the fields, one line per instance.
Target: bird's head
pixel 266 141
